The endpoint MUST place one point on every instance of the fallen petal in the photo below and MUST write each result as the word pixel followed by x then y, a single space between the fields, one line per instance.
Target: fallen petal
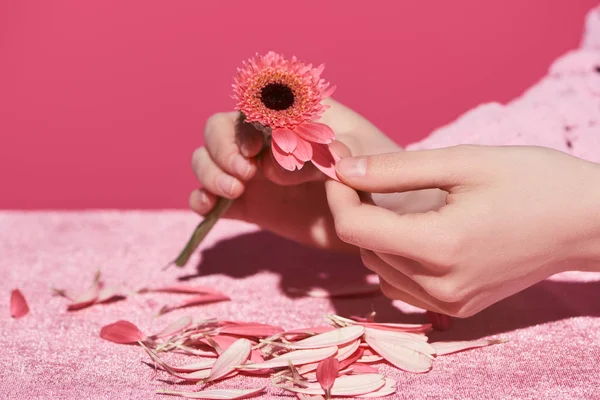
pixel 215 393
pixel 342 355
pixel 109 293
pixel 354 357
pixel 386 390
pixel 444 348
pixel 253 330
pixel 327 371
pixel 182 289
pixel 235 355
pixel 195 301
pixel 123 332
pixel 408 340
pixel 298 357
pixel 363 369
pixel 336 337
pixel 18 304
pixel 85 300
pixel 415 328
pixel 405 358
pixel 203 365
pixel 347 385
pixel 175 327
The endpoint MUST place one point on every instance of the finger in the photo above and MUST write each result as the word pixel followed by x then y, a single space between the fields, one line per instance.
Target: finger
pixel 213 178
pixel 224 137
pixel 391 292
pixel 202 201
pixel 411 170
pixel 381 230
pixel 401 285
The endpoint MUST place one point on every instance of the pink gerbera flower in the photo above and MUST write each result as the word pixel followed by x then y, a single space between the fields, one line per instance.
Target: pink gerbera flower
pixel 285 98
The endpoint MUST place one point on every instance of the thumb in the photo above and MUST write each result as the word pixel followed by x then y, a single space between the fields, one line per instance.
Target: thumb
pixel 407 170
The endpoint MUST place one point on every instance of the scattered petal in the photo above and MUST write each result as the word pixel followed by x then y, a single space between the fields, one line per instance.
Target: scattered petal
pixel 444 348
pixel 408 340
pixel 402 357
pixel 235 355
pixel 123 332
pixel 386 390
pixel 18 304
pixel 195 301
pixel 87 299
pixel 251 329
pixel 363 369
pixel 327 371
pixel 175 327
pixel 354 357
pixel 182 289
pixel 336 337
pixel 415 328
pixel 215 393
pixel 203 365
pixel 109 293
pixel 347 385
pixel 343 353
pixel 298 357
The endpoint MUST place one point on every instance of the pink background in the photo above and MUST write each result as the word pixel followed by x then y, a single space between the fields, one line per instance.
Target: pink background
pixel 103 102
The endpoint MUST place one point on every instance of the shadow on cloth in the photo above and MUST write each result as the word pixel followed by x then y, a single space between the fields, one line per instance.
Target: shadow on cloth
pixel 301 268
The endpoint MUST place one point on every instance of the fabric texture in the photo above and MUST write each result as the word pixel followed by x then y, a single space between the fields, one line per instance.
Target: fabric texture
pixel 553 328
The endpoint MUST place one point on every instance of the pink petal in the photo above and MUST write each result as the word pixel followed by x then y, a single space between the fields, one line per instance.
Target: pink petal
pixel 175 327
pixel 304 150
pixel 369 357
pixel 234 356
pixel 440 322
pixel 287 161
pixel 405 358
pixel 220 342
pixel 444 348
pixel 336 337
pixel 18 304
pixel 215 393
pixel 363 369
pixel 183 289
pixel 315 132
pixel 285 139
pixel 302 396
pixel 343 353
pixel 347 385
pixel 298 357
pixel 352 358
pixel 199 366
pixel 386 390
pixel 327 371
pixel 88 298
pixel 324 160
pixel 194 376
pixel 195 301
pixel 109 293
pixel 415 328
pixel 251 329
pixel 123 332
pixel 407 340
pixel 308 331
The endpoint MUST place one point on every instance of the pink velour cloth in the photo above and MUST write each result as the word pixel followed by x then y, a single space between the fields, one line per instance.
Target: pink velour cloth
pixel 553 328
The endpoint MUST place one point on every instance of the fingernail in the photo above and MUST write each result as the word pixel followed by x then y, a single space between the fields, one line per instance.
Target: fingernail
pixel 241 166
pixel 226 183
pixel 352 166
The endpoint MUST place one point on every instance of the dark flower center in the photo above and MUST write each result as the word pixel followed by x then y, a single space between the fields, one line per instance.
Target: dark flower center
pixel 277 96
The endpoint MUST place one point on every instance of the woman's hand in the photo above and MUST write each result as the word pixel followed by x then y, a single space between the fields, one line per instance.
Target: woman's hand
pixel 291 204
pixel 513 217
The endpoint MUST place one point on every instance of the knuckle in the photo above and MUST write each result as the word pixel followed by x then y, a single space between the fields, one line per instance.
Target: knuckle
pixel 446 290
pixel 197 157
pixel 213 123
pixel 345 228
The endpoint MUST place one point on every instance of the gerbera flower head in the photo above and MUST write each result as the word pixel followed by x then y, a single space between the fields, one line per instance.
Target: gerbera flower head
pixel 285 96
